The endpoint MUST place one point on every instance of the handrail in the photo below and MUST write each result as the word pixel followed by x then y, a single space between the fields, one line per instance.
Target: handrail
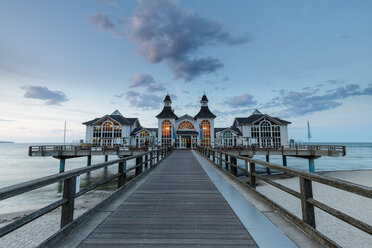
pixel 152 158
pixel 307 223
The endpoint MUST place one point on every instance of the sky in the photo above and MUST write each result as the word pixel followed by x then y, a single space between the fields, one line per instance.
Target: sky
pixel 74 61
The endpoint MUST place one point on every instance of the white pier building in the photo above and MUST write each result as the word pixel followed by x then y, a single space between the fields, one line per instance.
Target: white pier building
pixel 187 131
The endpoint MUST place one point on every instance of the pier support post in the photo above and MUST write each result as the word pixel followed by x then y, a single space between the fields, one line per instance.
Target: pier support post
pixel 246 166
pixel 267 168
pixel 151 158
pixel 157 156
pixel 233 169
pixel 220 159
pixel 89 160
pixel 285 160
pixel 311 165
pixel 62 163
pixel 106 158
pixel 214 158
pixel 226 162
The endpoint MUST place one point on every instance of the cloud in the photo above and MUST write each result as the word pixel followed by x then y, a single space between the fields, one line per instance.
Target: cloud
pixel 167 32
pixel 141 79
pixel 101 22
pixel 243 100
pixel 298 103
pixel 43 93
pixel 4 120
pixel 144 101
pixel 146 80
pixel 108 3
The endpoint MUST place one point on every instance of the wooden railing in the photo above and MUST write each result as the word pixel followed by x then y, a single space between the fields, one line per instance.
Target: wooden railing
pixel 296 147
pixel 144 161
pixel 307 223
pixel 76 148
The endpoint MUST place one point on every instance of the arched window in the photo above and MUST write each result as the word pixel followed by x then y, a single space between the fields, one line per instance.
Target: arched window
pixel 186 125
pixel 144 138
pixel 206 129
pixel 166 133
pixel 107 133
pixel 265 133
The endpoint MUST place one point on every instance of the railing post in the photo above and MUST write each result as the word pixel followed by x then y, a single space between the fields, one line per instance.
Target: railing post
pixel 151 158
pixel 233 169
pixel 89 160
pixel 220 159
pixel 252 170
pixel 146 161
pixel 214 158
pixel 157 156
pixel 69 189
pixel 138 161
pixel 308 214
pixel 226 162
pixel 106 158
pixel 123 176
pixel 267 168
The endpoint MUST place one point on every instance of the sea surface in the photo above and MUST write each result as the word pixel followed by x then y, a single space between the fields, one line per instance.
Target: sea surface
pixel 17 167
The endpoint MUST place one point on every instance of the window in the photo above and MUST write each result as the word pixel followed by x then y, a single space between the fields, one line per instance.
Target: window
pixel 186 125
pixel 107 133
pixel 228 139
pixel 276 136
pixel 265 134
pixel 144 138
pixel 166 133
pixel 206 129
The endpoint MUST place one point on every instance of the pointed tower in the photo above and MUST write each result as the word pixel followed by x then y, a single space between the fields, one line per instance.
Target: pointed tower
pixel 205 119
pixel 166 123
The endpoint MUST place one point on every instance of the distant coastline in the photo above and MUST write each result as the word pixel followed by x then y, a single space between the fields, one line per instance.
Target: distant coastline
pixel 6 142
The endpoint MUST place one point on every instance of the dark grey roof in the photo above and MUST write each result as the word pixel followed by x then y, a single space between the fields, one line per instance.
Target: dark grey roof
pixel 216 130
pixel 135 131
pixel 155 130
pixel 219 129
pixel 186 132
pixel 204 98
pixel 255 117
pixel 167 113
pixel 167 98
pixel 119 118
pixel 205 113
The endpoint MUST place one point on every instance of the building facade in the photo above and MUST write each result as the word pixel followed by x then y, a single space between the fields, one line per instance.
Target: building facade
pixel 186 131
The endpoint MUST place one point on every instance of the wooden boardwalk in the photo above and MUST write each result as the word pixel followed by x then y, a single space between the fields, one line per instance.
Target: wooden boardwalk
pixel 178 206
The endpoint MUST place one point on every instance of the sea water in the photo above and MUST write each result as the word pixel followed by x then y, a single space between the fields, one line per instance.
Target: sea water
pixel 17 167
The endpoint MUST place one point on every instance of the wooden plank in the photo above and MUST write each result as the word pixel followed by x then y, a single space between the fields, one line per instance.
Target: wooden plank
pixel 178 205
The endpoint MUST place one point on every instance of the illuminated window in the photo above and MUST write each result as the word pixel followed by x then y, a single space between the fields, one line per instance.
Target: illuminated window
pixel 107 133
pixel 186 125
pixel 166 133
pixel 206 129
pixel 144 138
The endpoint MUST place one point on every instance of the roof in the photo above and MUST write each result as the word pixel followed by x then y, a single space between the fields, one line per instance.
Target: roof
pixel 136 130
pixel 257 116
pixel 186 132
pixel 167 98
pixel 186 116
pixel 236 130
pixel 167 113
pixel 204 98
pixel 116 116
pixel 205 113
